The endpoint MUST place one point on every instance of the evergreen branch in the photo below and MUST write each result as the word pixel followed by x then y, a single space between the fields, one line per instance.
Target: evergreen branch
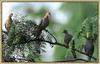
pixel 64 46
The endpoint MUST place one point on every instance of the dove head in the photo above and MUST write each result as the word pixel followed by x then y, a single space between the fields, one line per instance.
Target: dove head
pixel 65 31
pixel 47 14
pixel 88 35
pixel 11 14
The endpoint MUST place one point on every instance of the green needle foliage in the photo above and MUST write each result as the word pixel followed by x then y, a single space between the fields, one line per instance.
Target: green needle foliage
pixel 21 37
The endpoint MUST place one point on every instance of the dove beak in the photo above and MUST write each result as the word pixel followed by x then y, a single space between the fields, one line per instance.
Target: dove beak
pixel 87 34
pixel 47 14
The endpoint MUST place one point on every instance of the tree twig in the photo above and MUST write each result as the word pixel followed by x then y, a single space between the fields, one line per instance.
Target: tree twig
pixel 49 42
pixel 84 53
pixel 73 51
pixel 63 46
pixel 58 44
pixel 51 35
pixel 73 60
